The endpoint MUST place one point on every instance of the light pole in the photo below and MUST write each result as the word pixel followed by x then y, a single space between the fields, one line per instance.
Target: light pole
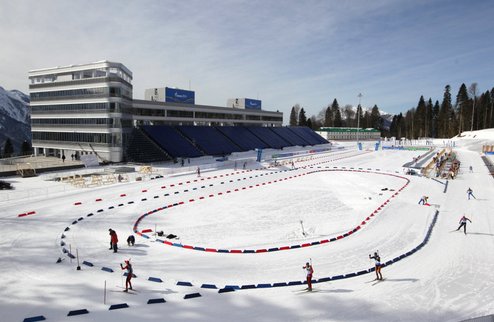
pixel 358 115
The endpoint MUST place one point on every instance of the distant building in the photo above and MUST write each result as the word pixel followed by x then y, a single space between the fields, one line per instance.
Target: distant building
pixel 349 133
pixel 89 109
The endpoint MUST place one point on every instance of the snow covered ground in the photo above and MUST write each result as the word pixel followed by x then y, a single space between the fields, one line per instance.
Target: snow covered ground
pixel 350 203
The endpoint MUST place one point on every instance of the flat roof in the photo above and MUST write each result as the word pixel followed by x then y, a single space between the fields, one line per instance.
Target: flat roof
pixel 70 68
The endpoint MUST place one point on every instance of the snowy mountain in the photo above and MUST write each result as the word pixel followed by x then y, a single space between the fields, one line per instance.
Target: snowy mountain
pixel 15 117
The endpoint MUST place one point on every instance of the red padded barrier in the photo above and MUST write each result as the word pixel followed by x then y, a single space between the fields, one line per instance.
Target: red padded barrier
pixel 146 231
pixel 77 203
pixel 191 200
pixel 99 199
pixel 236 251
pixel 211 250
pixel 261 250
pixel 123 195
pixel 284 247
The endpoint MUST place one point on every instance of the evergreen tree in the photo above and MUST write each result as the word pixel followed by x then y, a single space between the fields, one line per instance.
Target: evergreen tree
pixel 419 119
pixel 8 149
pixel 428 118
pixel 444 113
pixel 293 117
pixel 309 123
pixel 435 120
pixel 328 117
pixel 462 108
pixel 336 114
pixel 302 118
pixel 375 118
pixel 337 121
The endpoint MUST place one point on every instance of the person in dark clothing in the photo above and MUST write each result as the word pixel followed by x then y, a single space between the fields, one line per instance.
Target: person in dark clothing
pixel 463 223
pixel 131 240
pixel 378 265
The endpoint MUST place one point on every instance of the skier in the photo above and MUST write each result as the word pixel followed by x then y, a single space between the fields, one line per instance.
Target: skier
pixel 130 271
pixel 423 200
pixel 113 240
pixel 198 171
pixel 377 262
pixel 310 271
pixel 471 169
pixel 470 194
pixel 463 223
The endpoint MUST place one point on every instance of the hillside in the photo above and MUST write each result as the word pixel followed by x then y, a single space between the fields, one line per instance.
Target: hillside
pixel 14 118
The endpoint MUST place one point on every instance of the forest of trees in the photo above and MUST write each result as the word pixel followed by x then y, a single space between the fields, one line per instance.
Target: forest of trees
pixel 470 110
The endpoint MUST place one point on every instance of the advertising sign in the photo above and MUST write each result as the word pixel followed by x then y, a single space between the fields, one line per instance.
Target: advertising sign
pixel 177 95
pixel 252 104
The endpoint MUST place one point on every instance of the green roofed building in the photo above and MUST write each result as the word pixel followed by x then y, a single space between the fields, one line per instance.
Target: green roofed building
pixel 348 133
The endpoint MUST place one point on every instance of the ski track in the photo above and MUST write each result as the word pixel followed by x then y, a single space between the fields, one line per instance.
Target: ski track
pixel 449 279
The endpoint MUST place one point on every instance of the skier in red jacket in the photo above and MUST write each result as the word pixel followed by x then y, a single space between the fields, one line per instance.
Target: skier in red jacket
pixel 113 240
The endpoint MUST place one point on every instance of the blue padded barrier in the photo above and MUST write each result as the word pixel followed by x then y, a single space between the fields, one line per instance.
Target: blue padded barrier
pixel 156 301
pixel 89 215
pixel 280 284
pixel 80 218
pixel 295 246
pixel 100 210
pixel 78 312
pixel 120 204
pixel 87 263
pixel 226 289
pixel 223 251
pixel 107 269
pixel 130 202
pixel 362 272
pixel 35 318
pixel 210 286
pixel 66 229
pixel 184 283
pixel 235 287
pixel 62 243
pixel 295 283
pixel 199 248
pixel 143 199
pixel 192 295
pixel 118 306
pixel 337 277
pixel 315 243
pixel 324 279
pixel 248 286
pixel 63 236
pixel 249 251
pixel 264 285
pixel 350 275
pixel 273 249
pixel 111 207
pixel 71 255
pixel 155 279
pixel 74 222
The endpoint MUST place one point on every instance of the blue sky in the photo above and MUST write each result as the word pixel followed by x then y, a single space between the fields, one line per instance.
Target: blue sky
pixel 282 52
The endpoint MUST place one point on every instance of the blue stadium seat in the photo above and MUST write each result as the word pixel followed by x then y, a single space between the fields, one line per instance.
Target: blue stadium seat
pixel 269 137
pixel 209 139
pixel 242 137
pixel 170 140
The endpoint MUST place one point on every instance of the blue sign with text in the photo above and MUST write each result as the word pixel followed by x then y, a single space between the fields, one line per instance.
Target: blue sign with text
pixel 252 104
pixel 176 95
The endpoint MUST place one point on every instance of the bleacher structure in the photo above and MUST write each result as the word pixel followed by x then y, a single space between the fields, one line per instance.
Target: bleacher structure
pixel 165 142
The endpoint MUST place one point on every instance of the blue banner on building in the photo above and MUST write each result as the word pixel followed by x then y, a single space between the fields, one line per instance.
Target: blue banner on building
pixel 252 104
pixel 176 95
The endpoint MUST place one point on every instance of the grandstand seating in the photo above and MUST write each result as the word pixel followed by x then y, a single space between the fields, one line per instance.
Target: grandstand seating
pixel 141 149
pixel 209 139
pixel 242 137
pixel 272 139
pixel 175 144
pixel 308 135
pixel 290 136
pixel 160 142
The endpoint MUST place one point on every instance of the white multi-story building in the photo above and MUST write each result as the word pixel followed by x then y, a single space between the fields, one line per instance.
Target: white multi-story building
pixel 89 109
pixel 79 109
